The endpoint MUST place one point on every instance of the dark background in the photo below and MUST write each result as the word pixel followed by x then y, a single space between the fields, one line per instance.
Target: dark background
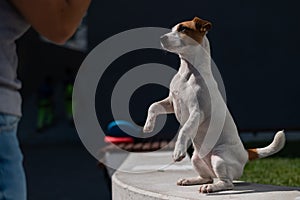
pixel 254 44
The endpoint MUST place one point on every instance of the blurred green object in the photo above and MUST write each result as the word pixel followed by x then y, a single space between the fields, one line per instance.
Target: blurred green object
pixel 45 102
pixel 45 114
pixel 68 101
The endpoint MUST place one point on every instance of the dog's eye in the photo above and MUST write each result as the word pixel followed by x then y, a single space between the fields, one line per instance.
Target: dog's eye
pixel 183 29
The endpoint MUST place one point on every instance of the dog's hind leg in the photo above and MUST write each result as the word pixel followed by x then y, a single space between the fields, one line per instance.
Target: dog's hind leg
pixel 193 181
pixel 223 182
pixel 202 168
pixel 161 107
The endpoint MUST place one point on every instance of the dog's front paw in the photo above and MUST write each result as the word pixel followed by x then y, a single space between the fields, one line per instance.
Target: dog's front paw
pixel 148 128
pixel 179 153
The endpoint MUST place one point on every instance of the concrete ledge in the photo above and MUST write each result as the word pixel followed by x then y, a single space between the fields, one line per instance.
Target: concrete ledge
pixel 139 178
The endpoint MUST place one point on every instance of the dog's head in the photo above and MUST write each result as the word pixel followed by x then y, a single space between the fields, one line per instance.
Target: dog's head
pixel 185 35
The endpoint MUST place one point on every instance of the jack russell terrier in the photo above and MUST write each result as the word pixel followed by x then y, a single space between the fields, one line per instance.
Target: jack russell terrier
pixel 193 95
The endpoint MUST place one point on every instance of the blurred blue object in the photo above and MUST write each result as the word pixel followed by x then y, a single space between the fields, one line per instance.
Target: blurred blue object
pixel 120 128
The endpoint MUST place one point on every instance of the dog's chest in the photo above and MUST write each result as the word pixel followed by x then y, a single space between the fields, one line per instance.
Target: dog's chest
pixel 183 92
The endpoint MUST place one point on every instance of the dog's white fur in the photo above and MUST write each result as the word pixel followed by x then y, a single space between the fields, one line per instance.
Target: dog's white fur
pixel 193 93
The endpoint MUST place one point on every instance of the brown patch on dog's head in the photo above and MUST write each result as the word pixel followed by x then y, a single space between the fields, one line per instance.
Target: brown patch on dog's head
pixel 195 28
pixel 202 25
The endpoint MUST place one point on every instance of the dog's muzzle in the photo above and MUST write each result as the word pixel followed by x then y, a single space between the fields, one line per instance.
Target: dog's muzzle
pixel 171 42
pixel 164 41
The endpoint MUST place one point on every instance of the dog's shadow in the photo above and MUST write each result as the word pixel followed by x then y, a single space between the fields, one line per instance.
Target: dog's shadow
pixel 246 188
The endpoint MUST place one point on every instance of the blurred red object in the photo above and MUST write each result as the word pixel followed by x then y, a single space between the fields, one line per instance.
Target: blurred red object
pixel 116 140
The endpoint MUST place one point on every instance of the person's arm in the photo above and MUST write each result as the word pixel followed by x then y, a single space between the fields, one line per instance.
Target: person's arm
pixel 56 20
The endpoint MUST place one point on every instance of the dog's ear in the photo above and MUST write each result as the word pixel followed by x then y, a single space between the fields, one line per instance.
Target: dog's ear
pixel 202 25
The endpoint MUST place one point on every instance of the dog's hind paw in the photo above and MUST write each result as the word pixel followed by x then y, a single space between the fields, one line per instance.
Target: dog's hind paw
pixel 193 181
pixel 215 187
pixel 184 182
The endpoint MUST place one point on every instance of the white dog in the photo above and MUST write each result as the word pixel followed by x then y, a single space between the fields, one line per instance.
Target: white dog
pixel 199 107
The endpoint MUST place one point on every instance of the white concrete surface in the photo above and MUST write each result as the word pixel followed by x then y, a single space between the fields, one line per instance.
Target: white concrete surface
pixel 139 178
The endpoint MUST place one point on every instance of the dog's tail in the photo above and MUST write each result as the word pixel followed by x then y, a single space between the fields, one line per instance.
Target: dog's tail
pixel 274 147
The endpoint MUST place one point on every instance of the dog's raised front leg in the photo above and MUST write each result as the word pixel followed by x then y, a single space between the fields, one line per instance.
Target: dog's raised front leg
pixel 188 131
pixel 161 107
